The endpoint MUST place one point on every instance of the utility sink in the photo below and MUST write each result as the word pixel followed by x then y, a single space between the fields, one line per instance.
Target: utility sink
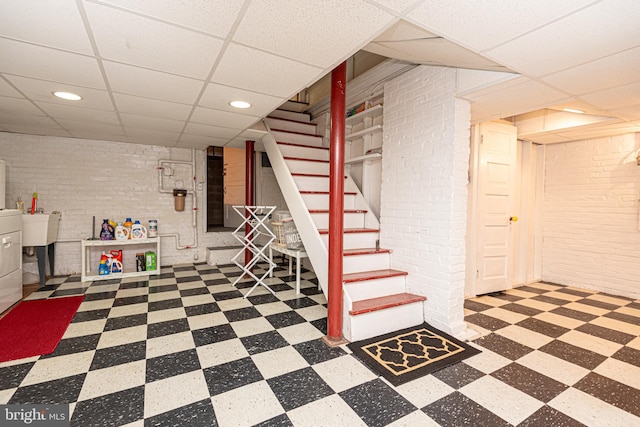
pixel 40 229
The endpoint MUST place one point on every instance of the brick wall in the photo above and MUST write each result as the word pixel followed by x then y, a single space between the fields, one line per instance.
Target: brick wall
pixel 424 189
pixel 590 220
pixel 83 178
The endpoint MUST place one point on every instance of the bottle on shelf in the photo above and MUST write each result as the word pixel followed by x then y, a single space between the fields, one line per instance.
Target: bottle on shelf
pixel 138 231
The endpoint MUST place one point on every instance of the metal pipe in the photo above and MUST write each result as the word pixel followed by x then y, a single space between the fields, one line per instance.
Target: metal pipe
pixel 336 204
pixel 248 191
pixel 194 203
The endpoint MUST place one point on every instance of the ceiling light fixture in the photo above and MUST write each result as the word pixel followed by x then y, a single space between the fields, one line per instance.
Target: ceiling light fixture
pixel 67 95
pixel 240 104
pixel 573 110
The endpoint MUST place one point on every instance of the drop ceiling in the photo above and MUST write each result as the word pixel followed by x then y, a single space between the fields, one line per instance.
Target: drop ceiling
pixel 163 72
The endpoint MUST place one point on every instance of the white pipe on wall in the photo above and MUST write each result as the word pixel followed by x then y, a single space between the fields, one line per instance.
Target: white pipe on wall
pixel 194 198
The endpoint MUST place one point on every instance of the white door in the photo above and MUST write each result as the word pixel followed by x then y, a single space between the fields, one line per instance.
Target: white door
pixel 497 162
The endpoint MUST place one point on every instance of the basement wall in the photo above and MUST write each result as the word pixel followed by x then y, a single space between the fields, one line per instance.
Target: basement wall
pixel 591 215
pixel 425 165
pixel 82 178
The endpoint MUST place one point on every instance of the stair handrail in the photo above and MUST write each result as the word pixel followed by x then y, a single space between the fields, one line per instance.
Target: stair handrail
pixel 313 244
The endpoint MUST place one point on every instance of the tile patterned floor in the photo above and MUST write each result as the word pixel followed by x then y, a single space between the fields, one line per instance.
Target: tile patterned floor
pixel 186 348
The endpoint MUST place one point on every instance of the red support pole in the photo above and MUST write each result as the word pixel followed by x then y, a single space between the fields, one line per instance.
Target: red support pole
pixel 336 205
pixel 248 190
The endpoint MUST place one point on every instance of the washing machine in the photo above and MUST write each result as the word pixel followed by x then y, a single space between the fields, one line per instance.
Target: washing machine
pixel 10 258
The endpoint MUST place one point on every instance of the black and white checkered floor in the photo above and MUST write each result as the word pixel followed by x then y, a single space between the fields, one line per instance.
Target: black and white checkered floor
pixel 186 348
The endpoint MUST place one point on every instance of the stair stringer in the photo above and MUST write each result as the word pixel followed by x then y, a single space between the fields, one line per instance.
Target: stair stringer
pixel 313 244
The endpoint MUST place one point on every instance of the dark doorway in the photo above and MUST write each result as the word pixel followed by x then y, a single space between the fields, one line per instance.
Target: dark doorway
pixel 215 188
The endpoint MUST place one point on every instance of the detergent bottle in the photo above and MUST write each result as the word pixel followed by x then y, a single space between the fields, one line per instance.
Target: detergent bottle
pixel 107 231
pixel 138 231
pixel 121 232
pixel 128 224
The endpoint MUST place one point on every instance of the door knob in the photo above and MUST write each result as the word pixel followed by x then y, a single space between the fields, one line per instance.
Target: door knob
pixel 513 219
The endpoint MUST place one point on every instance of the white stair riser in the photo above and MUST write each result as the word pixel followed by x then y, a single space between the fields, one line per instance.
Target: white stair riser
pixel 291 126
pixel 355 240
pixel 375 288
pixel 365 262
pixel 351 220
pixel 301 152
pixel 295 138
pixel 291 115
pixel 380 322
pixel 321 201
pixel 320 183
pixel 303 166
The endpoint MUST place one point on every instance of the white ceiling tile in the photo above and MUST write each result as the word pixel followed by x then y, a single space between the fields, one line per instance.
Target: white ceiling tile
pixel 218 97
pixel 319 32
pixel 566 43
pixel 210 16
pixel 85 126
pixel 146 122
pixel 33 21
pixel 484 24
pixel 161 137
pixel 191 140
pixel 50 64
pixel 597 75
pixel 42 90
pixel 631 112
pixel 470 81
pixel 222 118
pixel 397 6
pixel 277 76
pixel 192 145
pixel 25 120
pixel 132 39
pixel 98 135
pixel 151 107
pixel 131 80
pixel 7 90
pixel 68 112
pixel 9 105
pixel 212 131
pixel 621 96
pixel 519 99
pixel 36 129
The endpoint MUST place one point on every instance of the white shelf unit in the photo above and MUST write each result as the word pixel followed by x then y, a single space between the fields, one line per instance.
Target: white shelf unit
pixel 97 246
pixel 363 135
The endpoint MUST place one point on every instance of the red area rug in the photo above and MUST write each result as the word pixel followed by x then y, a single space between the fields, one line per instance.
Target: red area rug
pixel 34 328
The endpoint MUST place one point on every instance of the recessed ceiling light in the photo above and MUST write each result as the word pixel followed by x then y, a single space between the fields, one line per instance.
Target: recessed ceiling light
pixel 68 96
pixel 240 104
pixel 573 110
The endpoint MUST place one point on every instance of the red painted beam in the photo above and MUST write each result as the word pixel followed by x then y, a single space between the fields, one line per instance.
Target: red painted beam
pixel 248 190
pixel 336 203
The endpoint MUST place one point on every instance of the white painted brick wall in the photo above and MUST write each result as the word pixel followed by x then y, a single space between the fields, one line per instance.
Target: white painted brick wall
pixel 82 178
pixel 591 212
pixel 424 189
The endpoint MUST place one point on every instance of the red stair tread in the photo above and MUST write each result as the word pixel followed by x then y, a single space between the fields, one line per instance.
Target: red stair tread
pixel 345 211
pixel 372 275
pixel 374 304
pixel 302 145
pixel 306 160
pixel 365 251
pixel 295 133
pixel 292 121
pixel 351 230
pixel 353 193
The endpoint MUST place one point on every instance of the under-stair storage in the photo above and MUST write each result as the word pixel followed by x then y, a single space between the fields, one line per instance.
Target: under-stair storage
pixel 375 300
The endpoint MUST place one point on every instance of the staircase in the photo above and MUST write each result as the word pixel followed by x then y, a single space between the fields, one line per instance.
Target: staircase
pixel 375 300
